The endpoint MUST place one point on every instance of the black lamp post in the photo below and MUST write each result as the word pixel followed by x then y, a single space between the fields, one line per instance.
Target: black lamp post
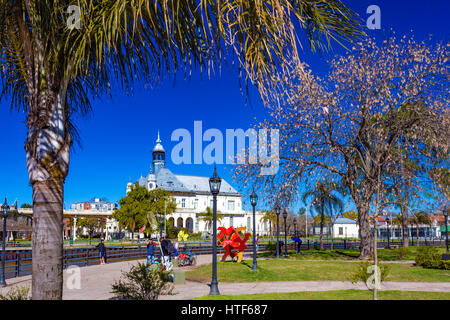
pixel 160 226
pixel 277 212
pixel 446 226
pixel 295 234
pixel 214 185
pixel 295 227
pixel 388 232
pixel 5 213
pixel 253 199
pixel 285 214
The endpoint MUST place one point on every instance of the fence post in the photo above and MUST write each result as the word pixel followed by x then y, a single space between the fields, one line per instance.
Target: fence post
pixel 308 244
pixel 17 264
pixel 345 244
pixel 87 257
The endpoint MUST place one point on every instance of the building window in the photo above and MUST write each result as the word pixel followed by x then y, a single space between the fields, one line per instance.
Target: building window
pixel 183 203
pixel 231 205
pixel 231 221
pixel 341 231
pixel 196 204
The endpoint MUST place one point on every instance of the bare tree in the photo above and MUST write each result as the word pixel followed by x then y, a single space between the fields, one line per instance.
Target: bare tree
pixel 347 126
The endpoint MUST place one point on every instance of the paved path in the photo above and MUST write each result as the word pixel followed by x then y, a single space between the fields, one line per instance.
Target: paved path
pixel 96 284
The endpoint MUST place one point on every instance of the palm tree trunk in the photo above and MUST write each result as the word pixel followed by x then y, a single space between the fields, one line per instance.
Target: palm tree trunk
pixel 47 253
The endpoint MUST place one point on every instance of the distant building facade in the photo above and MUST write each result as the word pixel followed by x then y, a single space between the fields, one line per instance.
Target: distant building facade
pixel 192 196
pixel 101 204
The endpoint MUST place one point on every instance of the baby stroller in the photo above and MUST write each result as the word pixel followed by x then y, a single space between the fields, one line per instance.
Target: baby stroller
pixel 187 259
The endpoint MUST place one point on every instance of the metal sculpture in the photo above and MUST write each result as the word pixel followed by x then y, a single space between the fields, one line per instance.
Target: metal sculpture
pixel 233 241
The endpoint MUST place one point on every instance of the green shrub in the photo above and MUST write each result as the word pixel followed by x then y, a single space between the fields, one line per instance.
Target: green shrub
pixel 271 246
pixel 142 283
pixel 362 274
pixel 17 293
pixel 430 258
pixel 401 252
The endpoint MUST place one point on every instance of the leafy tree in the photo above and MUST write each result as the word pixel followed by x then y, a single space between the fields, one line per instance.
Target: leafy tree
pixel 350 214
pixel 324 202
pixel 91 224
pixel 271 218
pixel 207 216
pixel 140 208
pixel 161 203
pixel 53 64
pixel 26 206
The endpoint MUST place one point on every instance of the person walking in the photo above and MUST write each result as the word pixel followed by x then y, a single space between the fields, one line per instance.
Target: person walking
pixel 150 251
pixel 102 251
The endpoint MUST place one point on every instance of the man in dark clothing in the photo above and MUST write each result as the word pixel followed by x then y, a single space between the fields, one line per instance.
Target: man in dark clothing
pixel 299 242
pixel 164 248
pixel 102 251
pixel 170 249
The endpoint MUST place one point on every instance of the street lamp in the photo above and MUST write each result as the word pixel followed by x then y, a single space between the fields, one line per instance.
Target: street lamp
pixel 295 227
pixel 214 186
pixel 285 214
pixel 277 212
pixel 445 212
pixel 253 199
pixel 388 232
pixel 5 213
pixel 295 234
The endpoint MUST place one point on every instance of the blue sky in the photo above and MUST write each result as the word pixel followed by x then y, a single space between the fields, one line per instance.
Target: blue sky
pixel 117 138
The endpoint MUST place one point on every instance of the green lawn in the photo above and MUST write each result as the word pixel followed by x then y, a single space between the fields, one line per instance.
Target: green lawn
pixel 301 270
pixel 383 254
pixel 335 295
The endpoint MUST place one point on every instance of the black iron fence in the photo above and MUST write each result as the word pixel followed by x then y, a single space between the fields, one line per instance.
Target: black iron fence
pixel 18 262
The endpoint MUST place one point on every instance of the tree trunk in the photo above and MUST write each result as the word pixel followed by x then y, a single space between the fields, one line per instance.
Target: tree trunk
pixel 47 151
pixel 405 236
pixel 47 253
pixel 365 232
pixel 321 227
pixel 404 211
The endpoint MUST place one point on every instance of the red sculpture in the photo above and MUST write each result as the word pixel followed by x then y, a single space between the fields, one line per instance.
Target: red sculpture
pixel 233 241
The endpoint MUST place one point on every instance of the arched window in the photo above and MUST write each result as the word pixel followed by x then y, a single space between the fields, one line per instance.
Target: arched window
pixel 180 222
pixel 190 223
pixel 172 222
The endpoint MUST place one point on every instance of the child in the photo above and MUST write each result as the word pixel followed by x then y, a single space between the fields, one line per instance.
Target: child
pixel 102 251
pixel 150 251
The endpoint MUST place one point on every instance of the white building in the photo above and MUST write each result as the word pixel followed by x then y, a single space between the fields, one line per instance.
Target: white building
pixel 345 228
pixel 192 195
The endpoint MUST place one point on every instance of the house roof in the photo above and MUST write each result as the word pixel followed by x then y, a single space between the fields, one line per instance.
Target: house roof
pixel 343 220
pixel 169 181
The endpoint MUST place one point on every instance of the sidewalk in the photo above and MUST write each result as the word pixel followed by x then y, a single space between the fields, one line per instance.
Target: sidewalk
pixel 96 284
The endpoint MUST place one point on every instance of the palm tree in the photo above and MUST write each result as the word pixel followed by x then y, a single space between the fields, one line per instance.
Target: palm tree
pixel 57 56
pixel 323 201
pixel 418 218
pixel 269 217
pixel 207 216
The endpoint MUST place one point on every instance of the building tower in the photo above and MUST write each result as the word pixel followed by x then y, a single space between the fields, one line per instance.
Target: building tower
pixel 159 156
